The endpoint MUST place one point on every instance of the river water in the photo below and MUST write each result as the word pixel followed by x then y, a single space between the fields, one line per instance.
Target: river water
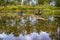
pixel 33 36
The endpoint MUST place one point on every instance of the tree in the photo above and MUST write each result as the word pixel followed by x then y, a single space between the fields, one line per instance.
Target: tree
pixel 43 1
pixel 57 3
pixel 40 1
pixel 2 2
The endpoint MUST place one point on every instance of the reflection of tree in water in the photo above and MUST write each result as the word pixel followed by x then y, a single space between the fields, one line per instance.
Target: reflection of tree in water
pixel 24 25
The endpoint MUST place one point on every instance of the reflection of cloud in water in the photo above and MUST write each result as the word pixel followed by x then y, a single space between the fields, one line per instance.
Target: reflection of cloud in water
pixel 51 18
pixel 22 21
pixel 44 36
pixel 0 17
pixel 32 20
pixel 7 37
pixel 32 36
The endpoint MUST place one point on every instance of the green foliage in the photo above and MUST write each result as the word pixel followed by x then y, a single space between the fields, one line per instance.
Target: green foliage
pixel 43 1
pixel 40 1
pixel 57 3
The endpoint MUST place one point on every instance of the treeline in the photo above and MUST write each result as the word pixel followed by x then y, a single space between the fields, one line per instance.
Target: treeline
pixel 28 2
